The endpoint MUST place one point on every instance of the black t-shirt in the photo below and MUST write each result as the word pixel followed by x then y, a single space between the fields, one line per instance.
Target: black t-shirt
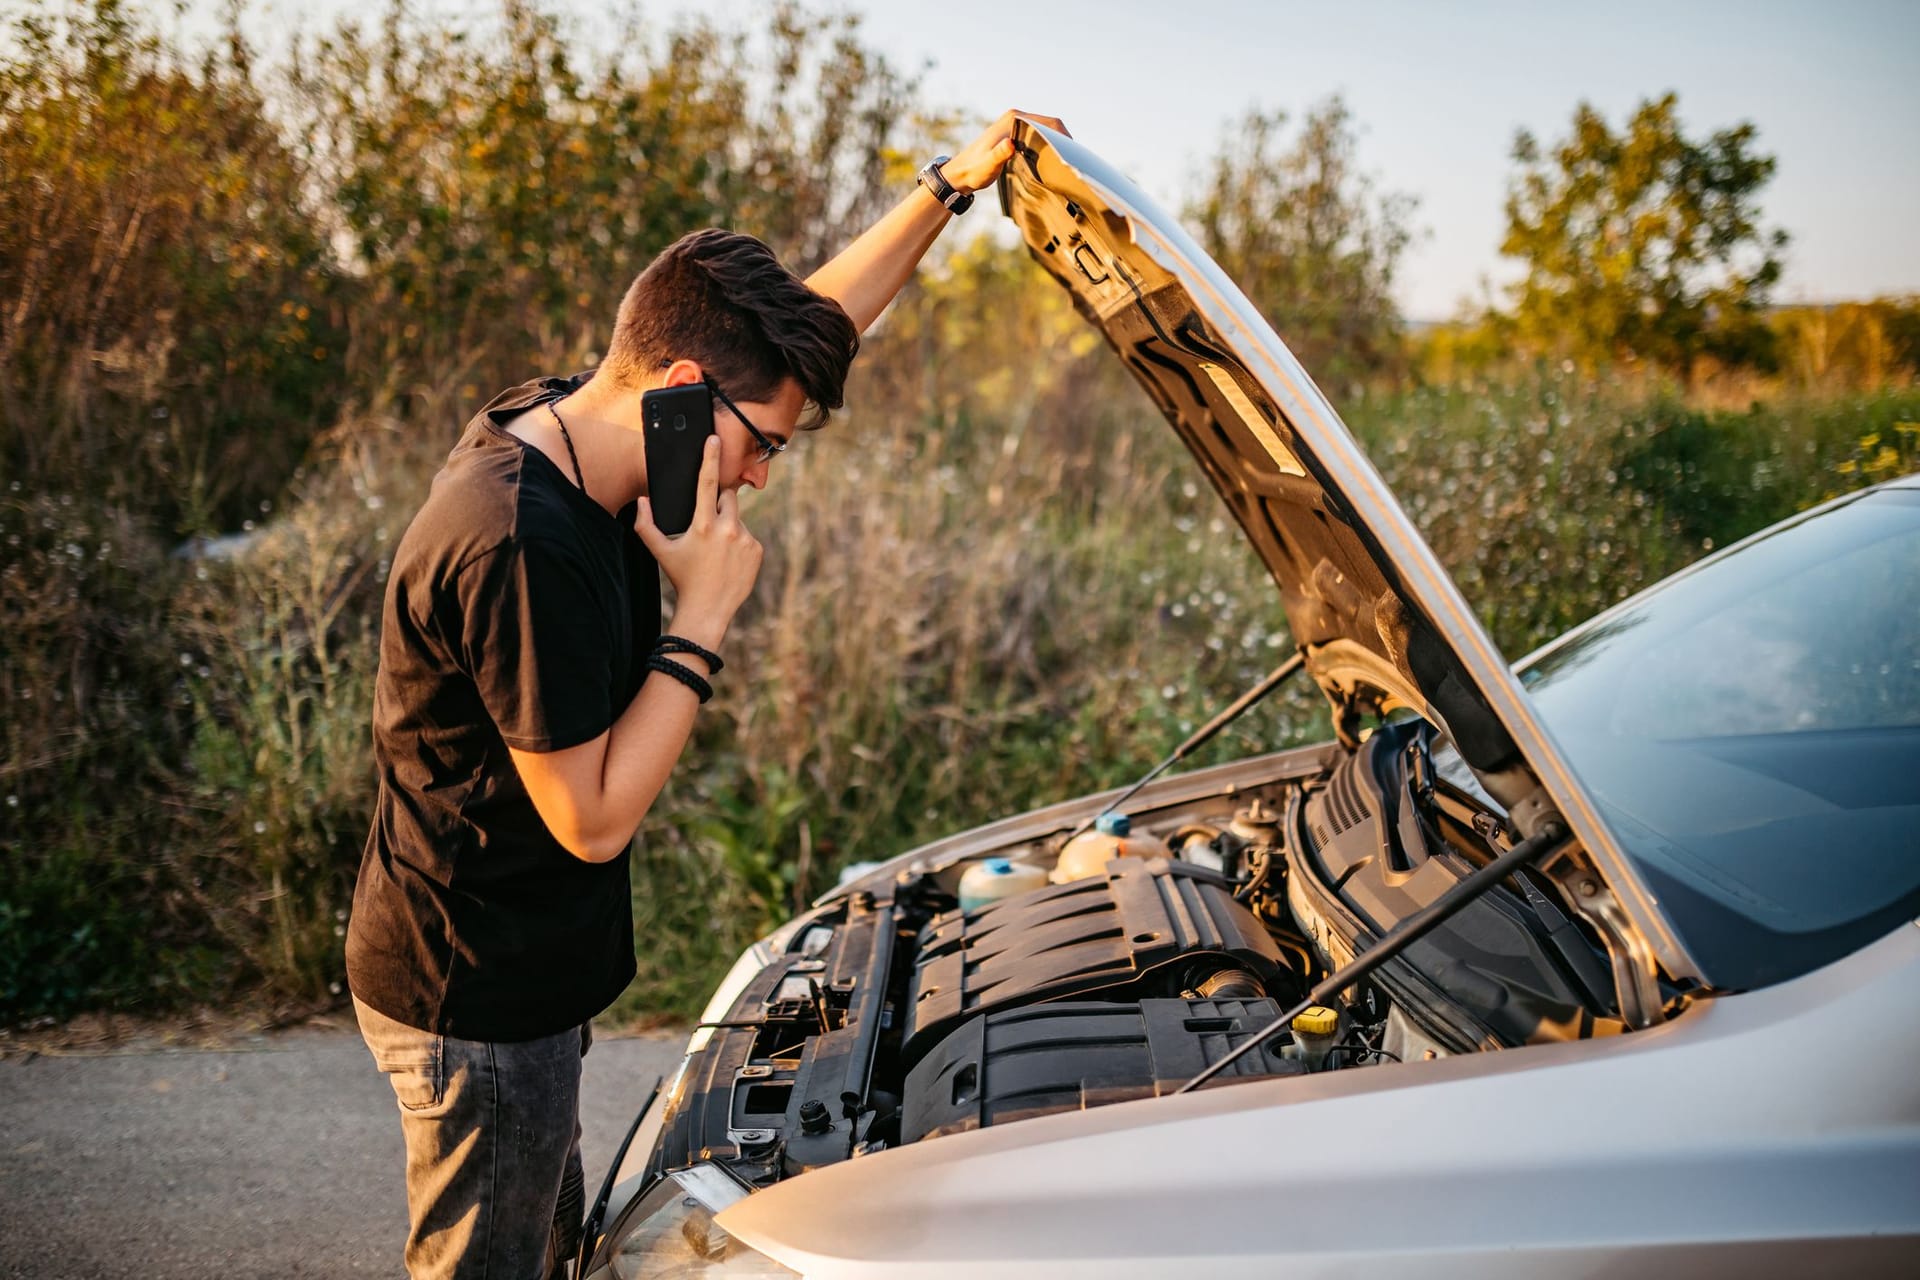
pixel 518 613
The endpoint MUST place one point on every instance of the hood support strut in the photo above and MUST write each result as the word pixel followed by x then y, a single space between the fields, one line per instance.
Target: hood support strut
pixel 1203 735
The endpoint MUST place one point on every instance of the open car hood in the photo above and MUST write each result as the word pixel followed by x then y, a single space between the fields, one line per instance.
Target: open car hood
pixel 1381 624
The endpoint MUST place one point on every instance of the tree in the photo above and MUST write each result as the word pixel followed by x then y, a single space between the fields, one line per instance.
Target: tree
pixel 1305 234
pixel 165 336
pixel 1642 244
pixel 498 185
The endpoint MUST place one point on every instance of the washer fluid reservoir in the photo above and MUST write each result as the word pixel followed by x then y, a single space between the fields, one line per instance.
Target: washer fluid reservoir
pixel 992 879
pixel 1088 853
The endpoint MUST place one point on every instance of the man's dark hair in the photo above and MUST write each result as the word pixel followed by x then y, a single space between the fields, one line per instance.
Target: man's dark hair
pixel 721 298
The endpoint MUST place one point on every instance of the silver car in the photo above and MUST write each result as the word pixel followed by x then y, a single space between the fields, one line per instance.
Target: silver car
pixel 1603 964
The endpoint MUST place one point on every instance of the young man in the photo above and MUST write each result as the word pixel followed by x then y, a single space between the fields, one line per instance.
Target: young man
pixel 527 709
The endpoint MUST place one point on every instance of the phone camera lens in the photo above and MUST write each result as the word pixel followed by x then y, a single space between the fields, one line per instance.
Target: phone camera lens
pixel 679 422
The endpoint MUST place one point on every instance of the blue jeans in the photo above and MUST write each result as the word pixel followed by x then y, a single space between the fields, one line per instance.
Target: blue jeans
pixel 494 1187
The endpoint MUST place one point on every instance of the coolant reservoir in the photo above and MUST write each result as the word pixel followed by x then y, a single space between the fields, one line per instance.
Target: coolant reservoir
pixel 1088 853
pixel 995 878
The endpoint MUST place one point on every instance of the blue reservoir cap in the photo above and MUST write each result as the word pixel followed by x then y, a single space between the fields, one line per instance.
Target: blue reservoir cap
pixel 998 867
pixel 1113 824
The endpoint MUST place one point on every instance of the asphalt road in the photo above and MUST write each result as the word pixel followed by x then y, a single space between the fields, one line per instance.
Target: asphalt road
pixel 278 1156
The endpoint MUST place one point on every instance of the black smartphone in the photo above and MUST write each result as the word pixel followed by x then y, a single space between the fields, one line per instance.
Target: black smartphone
pixel 679 420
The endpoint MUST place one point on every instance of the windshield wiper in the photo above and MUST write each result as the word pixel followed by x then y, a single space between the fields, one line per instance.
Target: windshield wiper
pixel 1203 735
pixel 1409 931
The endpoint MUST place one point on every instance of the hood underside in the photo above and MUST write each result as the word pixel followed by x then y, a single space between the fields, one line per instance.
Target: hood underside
pixel 1380 623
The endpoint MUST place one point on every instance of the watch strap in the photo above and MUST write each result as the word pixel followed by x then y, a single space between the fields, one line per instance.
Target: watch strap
pixel 935 181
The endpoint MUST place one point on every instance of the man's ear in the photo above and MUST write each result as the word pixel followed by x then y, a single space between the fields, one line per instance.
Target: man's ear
pixel 682 373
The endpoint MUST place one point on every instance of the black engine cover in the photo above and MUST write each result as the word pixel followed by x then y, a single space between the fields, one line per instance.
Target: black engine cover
pixel 1518 967
pixel 1148 927
pixel 1065 1057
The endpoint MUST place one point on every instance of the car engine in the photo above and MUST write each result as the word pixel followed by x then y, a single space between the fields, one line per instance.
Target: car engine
pixel 894 1014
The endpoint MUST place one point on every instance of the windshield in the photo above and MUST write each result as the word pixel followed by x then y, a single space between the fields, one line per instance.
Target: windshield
pixel 1751 732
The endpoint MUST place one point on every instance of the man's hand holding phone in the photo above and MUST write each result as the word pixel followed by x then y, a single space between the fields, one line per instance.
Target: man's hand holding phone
pixel 593 795
pixel 714 564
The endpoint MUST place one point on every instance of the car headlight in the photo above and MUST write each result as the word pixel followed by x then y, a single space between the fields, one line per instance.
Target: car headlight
pixel 669 1233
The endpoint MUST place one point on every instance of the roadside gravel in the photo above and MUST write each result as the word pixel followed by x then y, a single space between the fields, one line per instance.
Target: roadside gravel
pixel 276 1155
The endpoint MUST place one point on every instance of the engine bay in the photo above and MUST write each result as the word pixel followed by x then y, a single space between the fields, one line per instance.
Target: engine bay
pixel 1121 963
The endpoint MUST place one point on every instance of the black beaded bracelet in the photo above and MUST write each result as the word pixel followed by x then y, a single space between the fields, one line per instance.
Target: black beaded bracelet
pixel 684 674
pixel 680 644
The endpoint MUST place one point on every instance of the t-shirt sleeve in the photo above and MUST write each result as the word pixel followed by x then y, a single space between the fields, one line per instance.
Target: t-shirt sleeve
pixel 536 640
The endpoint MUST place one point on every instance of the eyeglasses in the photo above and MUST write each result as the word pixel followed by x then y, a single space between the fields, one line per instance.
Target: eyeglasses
pixel 769 448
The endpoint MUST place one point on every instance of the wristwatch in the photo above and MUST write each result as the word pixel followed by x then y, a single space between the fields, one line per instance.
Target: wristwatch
pixel 933 180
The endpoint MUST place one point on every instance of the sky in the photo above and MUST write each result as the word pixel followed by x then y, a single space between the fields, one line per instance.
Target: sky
pixel 1438 90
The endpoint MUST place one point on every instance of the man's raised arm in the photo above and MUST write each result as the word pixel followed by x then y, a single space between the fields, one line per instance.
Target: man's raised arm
pixel 864 277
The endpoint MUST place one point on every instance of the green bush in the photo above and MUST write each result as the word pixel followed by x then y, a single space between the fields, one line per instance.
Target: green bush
pixel 278 777
pixel 168 344
pixel 501 185
pixel 89 688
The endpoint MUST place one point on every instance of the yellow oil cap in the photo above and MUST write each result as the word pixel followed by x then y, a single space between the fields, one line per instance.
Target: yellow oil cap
pixel 1317 1021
